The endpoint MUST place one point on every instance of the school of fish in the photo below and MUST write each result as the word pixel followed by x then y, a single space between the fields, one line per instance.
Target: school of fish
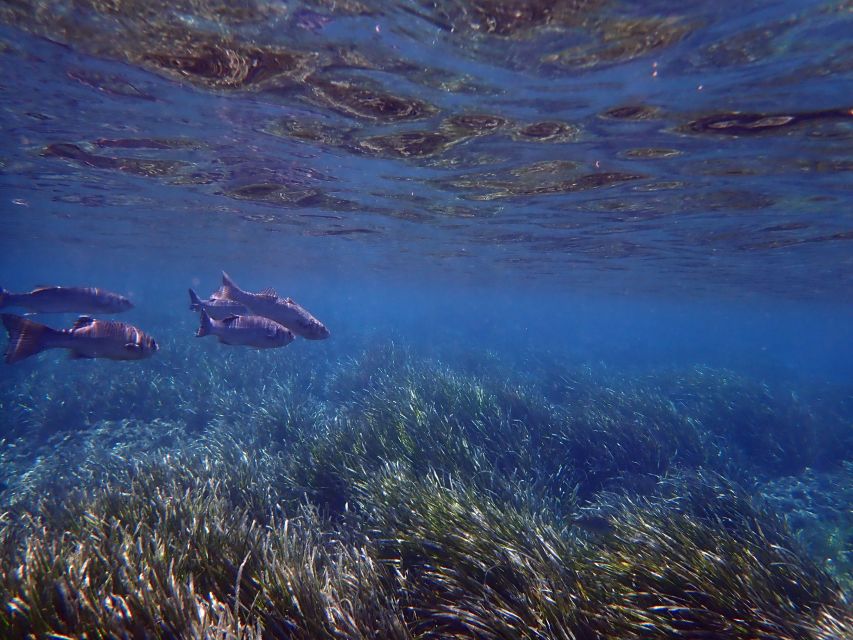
pixel 237 317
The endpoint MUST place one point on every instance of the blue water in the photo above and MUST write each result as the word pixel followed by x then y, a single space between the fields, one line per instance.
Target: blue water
pixel 636 190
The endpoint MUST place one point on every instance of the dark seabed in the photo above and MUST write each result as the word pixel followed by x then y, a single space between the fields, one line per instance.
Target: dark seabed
pixel 588 272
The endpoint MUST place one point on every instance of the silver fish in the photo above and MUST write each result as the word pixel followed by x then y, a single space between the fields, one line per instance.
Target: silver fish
pixel 247 331
pixel 88 338
pixel 217 308
pixel 66 299
pixel 282 310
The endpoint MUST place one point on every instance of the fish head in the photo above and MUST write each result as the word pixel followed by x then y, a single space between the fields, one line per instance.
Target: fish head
pixel 313 329
pixel 282 336
pixel 114 303
pixel 142 347
pixel 319 331
pixel 147 346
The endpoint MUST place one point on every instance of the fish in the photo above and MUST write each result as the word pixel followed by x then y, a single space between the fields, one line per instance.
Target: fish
pixel 282 310
pixel 219 294
pixel 247 331
pixel 310 20
pixel 217 308
pixel 595 524
pixel 47 299
pixel 87 338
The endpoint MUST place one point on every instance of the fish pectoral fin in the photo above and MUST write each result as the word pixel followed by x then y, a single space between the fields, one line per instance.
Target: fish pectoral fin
pixel 230 321
pixel 76 355
pixel 82 321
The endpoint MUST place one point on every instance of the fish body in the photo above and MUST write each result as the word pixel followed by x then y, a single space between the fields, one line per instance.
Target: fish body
pixel 282 310
pixel 595 524
pixel 88 338
pixel 217 308
pixel 246 331
pixel 66 299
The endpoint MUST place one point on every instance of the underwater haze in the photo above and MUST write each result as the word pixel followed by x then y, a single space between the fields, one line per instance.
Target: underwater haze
pixel 587 273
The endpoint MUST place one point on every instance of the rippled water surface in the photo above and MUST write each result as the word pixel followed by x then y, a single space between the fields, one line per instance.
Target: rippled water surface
pixel 693 147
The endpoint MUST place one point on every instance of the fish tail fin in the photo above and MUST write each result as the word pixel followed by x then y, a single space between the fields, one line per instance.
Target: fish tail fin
pixel 26 338
pixel 205 326
pixel 195 303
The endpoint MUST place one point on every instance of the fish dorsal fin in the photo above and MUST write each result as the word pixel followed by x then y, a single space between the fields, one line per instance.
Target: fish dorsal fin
pixel 268 292
pixel 82 321
pixel 44 287
pixel 290 301
pixel 227 281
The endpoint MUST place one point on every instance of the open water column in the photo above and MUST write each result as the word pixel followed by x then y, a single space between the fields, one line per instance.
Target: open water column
pixel 361 319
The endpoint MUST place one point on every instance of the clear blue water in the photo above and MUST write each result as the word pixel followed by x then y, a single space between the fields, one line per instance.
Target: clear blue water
pixel 137 175
pixel 618 187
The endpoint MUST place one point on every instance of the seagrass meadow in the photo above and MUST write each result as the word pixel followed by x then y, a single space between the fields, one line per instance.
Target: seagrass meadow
pixel 385 493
